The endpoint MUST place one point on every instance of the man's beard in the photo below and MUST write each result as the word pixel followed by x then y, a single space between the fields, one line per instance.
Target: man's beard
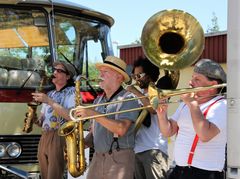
pixel 143 84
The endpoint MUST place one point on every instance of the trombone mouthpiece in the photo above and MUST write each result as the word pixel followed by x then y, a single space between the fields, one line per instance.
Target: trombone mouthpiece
pixel 131 82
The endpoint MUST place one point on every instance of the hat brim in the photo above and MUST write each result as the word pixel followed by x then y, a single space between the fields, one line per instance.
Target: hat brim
pixel 69 67
pixel 124 74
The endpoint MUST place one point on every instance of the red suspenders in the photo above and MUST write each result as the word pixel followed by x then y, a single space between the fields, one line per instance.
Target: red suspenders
pixel 196 138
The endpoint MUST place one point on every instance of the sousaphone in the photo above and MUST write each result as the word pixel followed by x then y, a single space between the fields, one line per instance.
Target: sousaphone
pixel 171 40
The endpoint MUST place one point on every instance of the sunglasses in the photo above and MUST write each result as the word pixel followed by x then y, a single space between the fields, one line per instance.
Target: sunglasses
pixel 139 76
pixel 59 70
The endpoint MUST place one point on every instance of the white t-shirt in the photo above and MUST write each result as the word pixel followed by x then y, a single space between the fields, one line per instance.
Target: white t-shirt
pixel 148 138
pixel 208 155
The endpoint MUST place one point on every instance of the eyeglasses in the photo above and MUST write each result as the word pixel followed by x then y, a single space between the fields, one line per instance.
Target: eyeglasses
pixel 59 70
pixel 139 76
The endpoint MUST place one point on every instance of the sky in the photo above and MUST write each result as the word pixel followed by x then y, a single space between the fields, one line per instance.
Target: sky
pixel 131 15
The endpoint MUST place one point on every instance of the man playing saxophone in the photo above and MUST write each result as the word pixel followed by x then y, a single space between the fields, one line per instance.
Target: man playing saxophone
pixel 54 113
pixel 113 135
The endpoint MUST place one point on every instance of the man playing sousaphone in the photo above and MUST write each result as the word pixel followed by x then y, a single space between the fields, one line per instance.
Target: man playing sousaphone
pixel 150 146
pixel 200 125
pixel 113 135
pixel 54 112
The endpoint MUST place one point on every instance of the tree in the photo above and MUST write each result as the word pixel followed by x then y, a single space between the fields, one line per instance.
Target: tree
pixel 215 26
pixel 137 41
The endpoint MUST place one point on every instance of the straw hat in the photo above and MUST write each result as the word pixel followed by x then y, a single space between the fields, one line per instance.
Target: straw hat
pixel 116 64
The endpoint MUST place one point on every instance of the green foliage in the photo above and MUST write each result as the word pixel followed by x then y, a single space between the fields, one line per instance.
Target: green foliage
pixel 137 41
pixel 92 71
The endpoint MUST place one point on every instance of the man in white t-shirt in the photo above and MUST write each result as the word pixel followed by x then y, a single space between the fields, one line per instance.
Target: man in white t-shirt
pixel 150 145
pixel 200 124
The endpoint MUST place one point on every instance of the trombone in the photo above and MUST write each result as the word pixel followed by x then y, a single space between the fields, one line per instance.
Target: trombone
pixel 153 94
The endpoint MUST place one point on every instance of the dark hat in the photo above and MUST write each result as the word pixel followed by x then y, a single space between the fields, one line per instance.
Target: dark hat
pixel 116 64
pixel 69 67
pixel 210 69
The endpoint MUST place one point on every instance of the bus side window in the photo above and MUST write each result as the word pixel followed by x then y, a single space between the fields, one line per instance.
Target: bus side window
pixel 32 64
pixel 3 77
pixel 10 62
pixel 28 64
pixel 18 77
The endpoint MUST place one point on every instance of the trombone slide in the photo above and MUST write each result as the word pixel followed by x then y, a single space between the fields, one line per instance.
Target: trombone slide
pixel 153 94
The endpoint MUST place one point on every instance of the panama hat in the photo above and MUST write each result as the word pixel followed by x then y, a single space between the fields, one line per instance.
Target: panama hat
pixel 116 64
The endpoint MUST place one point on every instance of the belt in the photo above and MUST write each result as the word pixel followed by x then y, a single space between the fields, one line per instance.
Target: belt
pixel 108 154
pixel 48 131
pixel 191 168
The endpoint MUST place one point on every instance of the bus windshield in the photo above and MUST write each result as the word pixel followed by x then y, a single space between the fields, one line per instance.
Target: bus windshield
pixel 23 47
pixel 31 39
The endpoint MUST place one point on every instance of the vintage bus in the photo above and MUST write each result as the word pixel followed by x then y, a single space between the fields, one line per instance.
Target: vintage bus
pixel 33 34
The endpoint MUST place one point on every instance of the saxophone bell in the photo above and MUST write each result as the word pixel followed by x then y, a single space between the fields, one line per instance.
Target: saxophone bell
pixel 31 114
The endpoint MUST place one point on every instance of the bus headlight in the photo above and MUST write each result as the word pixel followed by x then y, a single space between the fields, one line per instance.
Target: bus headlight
pixel 2 150
pixel 14 150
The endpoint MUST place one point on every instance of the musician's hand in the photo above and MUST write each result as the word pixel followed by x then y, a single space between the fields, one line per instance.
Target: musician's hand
pixel 41 97
pixel 83 112
pixel 188 98
pixel 162 106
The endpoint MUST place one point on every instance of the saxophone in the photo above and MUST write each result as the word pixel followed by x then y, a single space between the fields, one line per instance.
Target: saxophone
pixel 73 133
pixel 31 115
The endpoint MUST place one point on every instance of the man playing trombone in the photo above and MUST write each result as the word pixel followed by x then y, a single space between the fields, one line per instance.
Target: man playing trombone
pixel 200 126
pixel 113 136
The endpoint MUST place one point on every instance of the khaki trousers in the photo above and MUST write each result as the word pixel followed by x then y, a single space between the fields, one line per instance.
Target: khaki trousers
pixel 118 165
pixel 151 164
pixel 51 156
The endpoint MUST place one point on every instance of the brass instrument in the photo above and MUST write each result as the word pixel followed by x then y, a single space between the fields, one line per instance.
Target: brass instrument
pixel 172 39
pixel 73 133
pixel 140 120
pixel 153 94
pixel 159 93
pixel 31 115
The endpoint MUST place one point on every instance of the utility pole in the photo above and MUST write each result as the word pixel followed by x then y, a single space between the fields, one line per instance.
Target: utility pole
pixel 233 89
